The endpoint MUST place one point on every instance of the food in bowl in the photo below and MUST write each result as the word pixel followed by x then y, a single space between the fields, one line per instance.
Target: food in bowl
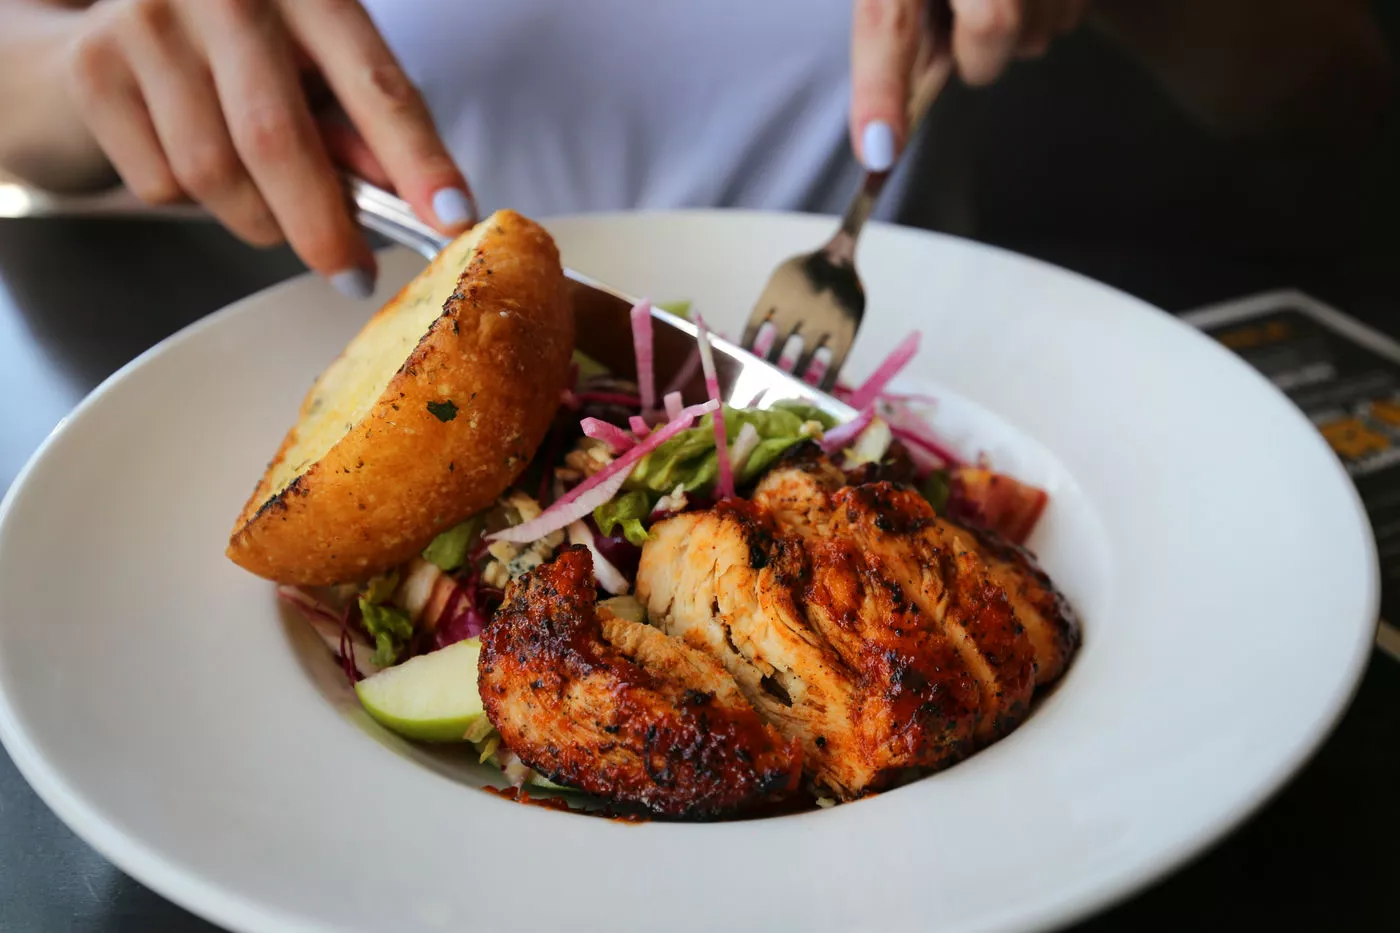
pixel 691 611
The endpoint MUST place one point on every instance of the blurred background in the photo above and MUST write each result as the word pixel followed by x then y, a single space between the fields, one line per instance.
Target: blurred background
pixel 1090 157
pixel 1083 158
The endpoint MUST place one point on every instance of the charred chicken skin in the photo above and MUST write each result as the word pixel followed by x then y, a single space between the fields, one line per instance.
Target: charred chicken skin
pixel 618 709
pixel 845 630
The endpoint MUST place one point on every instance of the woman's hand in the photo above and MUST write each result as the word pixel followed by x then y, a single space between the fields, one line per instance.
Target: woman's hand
pixel 892 39
pixel 207 100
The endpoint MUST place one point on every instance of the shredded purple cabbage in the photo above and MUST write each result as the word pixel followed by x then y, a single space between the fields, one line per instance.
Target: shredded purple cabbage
pixel 616 550
pixel 464 616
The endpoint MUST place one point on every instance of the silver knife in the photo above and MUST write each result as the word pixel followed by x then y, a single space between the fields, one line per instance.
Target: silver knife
pixel 604 324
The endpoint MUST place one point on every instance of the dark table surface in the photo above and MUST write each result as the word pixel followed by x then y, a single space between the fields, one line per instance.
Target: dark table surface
pixel 78 298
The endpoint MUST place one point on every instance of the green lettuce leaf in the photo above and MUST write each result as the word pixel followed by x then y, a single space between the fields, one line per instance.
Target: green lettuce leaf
pixel 678 308
pixel 689 459
pixel 449 549
pixel 770 424
pixel 390 628
pixel 764 456
pixel 626 510
pixel 380 588
pixel 805 412
pixel 675 462
pixel 588 366
pixel 936 489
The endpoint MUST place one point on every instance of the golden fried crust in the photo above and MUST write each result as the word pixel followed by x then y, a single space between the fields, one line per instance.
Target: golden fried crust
pixel 456 423
pixel 618 709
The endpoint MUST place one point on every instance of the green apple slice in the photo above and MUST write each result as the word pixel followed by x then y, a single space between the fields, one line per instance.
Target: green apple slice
pixel 432 698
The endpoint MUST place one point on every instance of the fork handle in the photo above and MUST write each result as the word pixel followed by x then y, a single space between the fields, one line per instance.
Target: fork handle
pixel 932 76
pixel 841 248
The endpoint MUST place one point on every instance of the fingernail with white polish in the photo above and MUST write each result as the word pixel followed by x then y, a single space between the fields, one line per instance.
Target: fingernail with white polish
pixel 353 283
pixel 452 206
pixel 877 146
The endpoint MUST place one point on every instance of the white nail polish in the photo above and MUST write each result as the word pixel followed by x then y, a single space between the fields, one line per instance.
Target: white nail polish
pixel 353 283
pixel 877 146
pixel 452 207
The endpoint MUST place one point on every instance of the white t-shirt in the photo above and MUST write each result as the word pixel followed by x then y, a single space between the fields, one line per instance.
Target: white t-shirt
pixel 560 106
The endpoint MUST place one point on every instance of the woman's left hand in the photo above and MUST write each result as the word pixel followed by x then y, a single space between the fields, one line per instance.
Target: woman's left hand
pixel 889 38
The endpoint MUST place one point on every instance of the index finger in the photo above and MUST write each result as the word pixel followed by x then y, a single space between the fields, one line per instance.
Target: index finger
pixel 385 107
pixel 985 35
pixel 885 39
pixel 272 130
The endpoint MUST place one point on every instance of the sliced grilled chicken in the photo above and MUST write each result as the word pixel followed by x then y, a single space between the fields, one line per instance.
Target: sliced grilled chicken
pixel 619 709
pixel 820 633
pixel 722 582
pixel 1050 623
pixel 909 549
pixel 798 493
pixel 873 638
pixel 918 701
pixel 932 564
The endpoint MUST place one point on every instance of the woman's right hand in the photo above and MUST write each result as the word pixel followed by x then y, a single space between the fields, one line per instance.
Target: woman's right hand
pixel 205 100
pixel 895 43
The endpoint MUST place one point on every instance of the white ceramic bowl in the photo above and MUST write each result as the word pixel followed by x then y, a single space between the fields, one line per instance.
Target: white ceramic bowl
pixel 159 701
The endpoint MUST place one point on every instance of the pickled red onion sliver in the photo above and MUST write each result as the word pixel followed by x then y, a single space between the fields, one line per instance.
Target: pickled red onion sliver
pixel 725 486
pixel 843 435
pixel 870 390
pixel 744 446
pixel 674 405
pixel 601 486
pixel 616 438
pixel 608 576
pixel 641 345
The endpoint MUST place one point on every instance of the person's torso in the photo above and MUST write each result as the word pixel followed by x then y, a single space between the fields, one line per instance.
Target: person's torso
pixel 557 107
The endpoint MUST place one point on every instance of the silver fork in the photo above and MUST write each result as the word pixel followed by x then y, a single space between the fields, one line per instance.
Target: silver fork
pixel 818 297
pixel 604 329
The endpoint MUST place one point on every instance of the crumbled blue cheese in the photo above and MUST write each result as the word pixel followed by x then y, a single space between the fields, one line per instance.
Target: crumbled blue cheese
pixel 509 561
pixel 588 457
pixel 673 501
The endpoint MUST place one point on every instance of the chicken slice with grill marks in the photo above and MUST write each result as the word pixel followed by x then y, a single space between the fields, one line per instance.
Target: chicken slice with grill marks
pixel 906 544
pixel 919 701
pixel 828 650
pixel 618 709
pixel 1050 623
pixel 940 593
pixel 798 493
pixel 722 582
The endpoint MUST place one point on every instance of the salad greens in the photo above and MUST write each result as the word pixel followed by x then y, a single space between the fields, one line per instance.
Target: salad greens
pixel 588 367
pixel 806 412
pixel 391 629
pixel 690 462
pixel 626 510
pixel 380 588
pixel 689 459
pixel 678 308
pixel 936 488
pixel 449 549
